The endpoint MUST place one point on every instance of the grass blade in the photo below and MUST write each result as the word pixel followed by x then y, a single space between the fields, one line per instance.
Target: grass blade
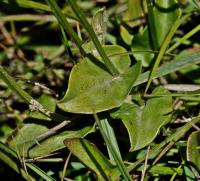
pixel 12 84
pixel 184 59
pixel 66 45
pixel 6 155
pixel 65 24
pixel 32 17
pixel 185 37
pixel 10 158
pixel 163 48
pixel 40 172
pixel 111 136
pixel 28 4
pixel 116 157
pixel 93 36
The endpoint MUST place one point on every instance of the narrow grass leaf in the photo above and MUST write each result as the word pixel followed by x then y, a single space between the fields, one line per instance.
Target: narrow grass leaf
pixel 185 37
pixel 12 84
pixel 183 59
pixel 28 4
pixel 111 136
pixel 93 37
pixel 163 48
pixel 66 45
pixel 12 162
pixel 10 157
pixel 114 153
pixel 161 17
pixel 65 24
pixel 176 171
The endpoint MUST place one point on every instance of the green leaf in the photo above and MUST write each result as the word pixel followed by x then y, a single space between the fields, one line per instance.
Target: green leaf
pixel 189 175
pixel 109 132
pixel 136 10
pixel 191 5
pixel 13 85
pixel 161 19
pixel 183 59
pixel 99 24
pixel 193 151
pixel 91 88
pixel 28 4
pixel 178 134
pixel 144 122
pixel 195 4
pixel 163 48
pixel 126 36
pixel 80 15
pixel 25 141
pixel 142 43
pixel 89 154
pixel 165 14
pixel 10 157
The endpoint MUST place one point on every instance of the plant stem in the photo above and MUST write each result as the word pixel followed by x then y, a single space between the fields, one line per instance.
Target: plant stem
pixel 115 155
pixel 65 24
pixel 33 17
pixel 94 38
pixel 12 84
pixel 184 61
pixel 66 45
pixel 185 37
pixel 164 47
pixel 29 4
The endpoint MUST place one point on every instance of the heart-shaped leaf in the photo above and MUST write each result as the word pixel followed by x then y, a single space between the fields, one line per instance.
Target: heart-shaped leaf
pixel 25 142
pixel 193 151
pixel 89 154
pixel 92 88
pixel 144 122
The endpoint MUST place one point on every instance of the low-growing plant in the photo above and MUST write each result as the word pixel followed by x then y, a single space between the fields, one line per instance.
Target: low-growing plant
pixel 100 121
